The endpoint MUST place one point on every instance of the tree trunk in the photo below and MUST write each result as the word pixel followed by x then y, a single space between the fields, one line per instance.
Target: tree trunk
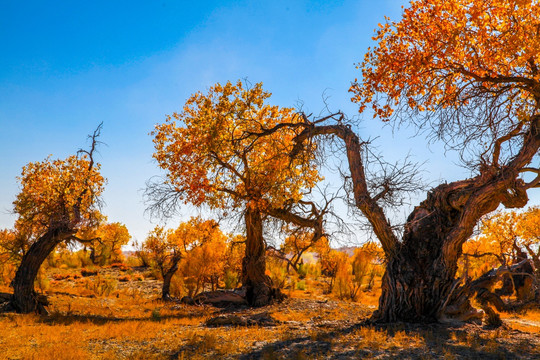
pixel 419 283
pixel 258 285
pixel 25 299
pixel 415 289
pixel 167 277
pixel 93 255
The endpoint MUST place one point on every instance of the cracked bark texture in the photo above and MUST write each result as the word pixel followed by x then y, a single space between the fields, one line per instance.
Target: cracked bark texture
pixel 419 282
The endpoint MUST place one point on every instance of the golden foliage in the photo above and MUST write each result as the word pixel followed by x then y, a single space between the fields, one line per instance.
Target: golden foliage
pixel 506 237
pixel 57 191
pixel 443 54
pixel 105 241
pixel 205 264
pixel 213 153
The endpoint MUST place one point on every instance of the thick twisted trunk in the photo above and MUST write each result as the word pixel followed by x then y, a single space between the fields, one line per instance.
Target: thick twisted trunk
pixel 419 283
pixel 412 292
pixel 419 278
pixel 25 299
pixel 258 285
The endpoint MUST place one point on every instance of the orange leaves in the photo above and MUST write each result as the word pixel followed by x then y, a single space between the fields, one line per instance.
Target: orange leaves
pixel 194 240
pixel 506 233
pixel 440 51
pixel 214 152
pixel 58 190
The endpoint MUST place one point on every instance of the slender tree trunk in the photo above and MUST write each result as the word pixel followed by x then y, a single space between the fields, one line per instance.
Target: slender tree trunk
pixel 93 255
pixel 167 277
pixel 24 298
pixel 258 285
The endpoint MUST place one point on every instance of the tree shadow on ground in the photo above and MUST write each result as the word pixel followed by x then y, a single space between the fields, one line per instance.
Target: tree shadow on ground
pixel 59 318
pixel 435 341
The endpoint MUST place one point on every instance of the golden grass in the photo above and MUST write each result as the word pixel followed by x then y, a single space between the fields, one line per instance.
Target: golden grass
pixel 129 323
pixel 528 321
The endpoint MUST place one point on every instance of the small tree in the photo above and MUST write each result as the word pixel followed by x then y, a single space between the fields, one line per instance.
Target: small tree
pixel 57 198
pixel 236 248
pixel 166 248
pixel 297 244
pixel 205 264
pixel 165 253
pixel 509 241
pixel 105 242
pixel 528 229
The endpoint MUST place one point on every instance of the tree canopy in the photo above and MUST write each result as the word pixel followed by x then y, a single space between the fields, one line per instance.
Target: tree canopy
pixel 230 149
pixel 56 192
pixel 214 156
pixel 466 70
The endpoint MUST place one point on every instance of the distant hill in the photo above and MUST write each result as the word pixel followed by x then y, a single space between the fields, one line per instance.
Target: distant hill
pixel 349 250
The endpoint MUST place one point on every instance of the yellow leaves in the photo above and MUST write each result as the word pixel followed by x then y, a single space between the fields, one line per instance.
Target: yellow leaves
pixel 460 40
pixel 214 153
pixel 58 190
pixel 199 244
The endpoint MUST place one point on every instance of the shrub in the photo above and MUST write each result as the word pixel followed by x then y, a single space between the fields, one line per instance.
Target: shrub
pixel 156 315
pixel 87 272
pixel 343 285
pixel 42 281
pixel 134 261
pixel 178 287
pixel 302 271
pixel 124 278
pixel 84 258
pixel 119 266
pixel 301 285
pixel 277 271
pixel 101 286
pixel 7 272
pixel 59 277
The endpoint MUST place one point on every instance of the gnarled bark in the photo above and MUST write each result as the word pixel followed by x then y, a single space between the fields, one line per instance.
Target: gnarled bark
pixel 419 282
pixel 258 285
pixel 25 299
pixel 63 222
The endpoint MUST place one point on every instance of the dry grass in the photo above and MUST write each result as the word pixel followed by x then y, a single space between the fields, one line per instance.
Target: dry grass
pixel 128 323
pixel 528 321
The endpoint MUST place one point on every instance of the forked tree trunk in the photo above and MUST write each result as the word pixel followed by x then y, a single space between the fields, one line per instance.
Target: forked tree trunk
pixel 25 299
pixel 258 285
pixel 419 284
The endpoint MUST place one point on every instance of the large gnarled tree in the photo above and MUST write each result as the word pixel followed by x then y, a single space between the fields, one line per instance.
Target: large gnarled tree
pixel 213 156
pixel 467 72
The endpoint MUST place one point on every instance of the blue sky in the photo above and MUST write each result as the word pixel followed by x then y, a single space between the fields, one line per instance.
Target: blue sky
pixel 66 66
